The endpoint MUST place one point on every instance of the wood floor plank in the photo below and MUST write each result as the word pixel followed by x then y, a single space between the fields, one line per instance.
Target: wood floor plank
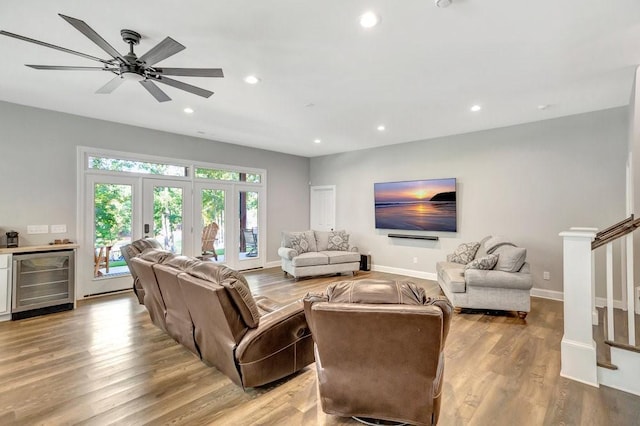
pixel 106 363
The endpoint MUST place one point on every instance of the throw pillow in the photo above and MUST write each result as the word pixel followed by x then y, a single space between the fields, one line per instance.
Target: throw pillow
pixel 487 262
pixel 338 240
pixel 464 253
pixel 494 242
pixel 510 258
pixel 300 243
pixel 482 250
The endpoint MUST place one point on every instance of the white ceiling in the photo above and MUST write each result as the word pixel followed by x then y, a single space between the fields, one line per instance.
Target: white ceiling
pixel 418 72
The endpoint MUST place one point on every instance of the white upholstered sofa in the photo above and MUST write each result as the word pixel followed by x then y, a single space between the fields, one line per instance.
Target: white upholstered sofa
pixel 495 277
pixel 310 253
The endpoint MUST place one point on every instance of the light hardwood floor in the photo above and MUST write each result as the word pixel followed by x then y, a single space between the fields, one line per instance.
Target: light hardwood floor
pixel 105 363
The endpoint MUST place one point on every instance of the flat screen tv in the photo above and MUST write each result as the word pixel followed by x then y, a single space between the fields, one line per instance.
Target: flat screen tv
pixel 416 205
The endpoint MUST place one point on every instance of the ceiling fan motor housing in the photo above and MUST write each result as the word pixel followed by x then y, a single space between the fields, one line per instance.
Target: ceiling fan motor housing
pixel 130 36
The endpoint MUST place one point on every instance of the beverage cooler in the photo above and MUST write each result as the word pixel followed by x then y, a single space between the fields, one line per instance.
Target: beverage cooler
pixel 42 283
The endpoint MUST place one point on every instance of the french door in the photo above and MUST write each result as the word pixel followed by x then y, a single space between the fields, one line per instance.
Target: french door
pixel 228 219
pixel 123 209
pixel 166 213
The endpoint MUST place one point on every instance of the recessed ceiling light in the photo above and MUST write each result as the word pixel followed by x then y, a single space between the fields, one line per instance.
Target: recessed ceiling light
pixel 251 79
pixel 317 141
pixel 381 128
pixel 476 108
pixel 369 20
pixel 443 3
pixel 188 110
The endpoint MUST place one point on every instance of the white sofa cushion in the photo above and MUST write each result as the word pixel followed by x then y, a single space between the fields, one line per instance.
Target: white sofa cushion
pixel 341 256
pixel 322 240
pixel 452 274
pixel 310 259
pixel 510 259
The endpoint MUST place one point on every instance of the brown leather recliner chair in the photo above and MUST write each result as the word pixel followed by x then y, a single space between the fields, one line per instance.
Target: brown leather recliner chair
pixel 379 350
pixel 132 250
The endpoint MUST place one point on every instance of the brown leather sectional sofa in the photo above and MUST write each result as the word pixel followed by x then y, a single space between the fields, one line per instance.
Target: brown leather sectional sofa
pixel 210 310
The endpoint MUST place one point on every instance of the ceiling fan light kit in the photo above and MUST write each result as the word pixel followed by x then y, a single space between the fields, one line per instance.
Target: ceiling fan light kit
pixel 129 66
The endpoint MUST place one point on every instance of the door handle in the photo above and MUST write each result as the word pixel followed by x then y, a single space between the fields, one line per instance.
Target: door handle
pixel 146 229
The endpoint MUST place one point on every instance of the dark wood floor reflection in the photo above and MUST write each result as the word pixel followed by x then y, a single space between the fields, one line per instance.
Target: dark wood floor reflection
pixel 106 363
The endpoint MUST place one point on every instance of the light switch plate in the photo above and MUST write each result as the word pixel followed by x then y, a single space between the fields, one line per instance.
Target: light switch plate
pixel 37 229
pixel 58 229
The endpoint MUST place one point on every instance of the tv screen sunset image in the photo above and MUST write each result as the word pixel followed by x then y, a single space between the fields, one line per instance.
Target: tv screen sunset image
pixel 421 205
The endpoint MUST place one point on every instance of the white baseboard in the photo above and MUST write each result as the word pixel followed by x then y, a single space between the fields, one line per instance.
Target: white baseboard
pixel 547 294
pixel 408 272
pixel 272 264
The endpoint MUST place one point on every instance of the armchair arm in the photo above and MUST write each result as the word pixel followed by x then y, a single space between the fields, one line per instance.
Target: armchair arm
pixel 287 253
pixel 499 279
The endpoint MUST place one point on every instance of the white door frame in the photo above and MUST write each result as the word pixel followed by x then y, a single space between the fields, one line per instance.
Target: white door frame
pixel 322 220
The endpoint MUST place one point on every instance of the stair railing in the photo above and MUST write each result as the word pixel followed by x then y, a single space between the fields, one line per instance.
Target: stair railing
pixel 606 238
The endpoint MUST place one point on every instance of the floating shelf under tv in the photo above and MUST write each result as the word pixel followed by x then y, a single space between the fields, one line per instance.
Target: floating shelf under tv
pixel 414 237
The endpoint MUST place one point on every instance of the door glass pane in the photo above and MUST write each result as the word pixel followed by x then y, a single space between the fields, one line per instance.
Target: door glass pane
pixel 167 217
pixel 212 238
pixel 248 224
pixel 112 219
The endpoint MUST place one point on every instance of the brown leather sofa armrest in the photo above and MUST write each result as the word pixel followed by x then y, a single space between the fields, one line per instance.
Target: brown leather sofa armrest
pixel 277 330
pixel 445 306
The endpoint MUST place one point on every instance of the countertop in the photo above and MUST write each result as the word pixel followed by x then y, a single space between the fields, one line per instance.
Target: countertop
pixel 32 249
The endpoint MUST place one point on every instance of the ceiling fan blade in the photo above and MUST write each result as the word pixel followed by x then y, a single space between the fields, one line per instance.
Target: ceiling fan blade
pixel 63 68
pixel 162 50
pixel 155 91
pixel 183 86
pixel 191 72
pixel 53 46
pixel 112 85
pixel 93 36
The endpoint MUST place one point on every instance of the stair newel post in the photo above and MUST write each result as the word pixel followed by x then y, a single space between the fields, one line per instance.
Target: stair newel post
pixel 578 350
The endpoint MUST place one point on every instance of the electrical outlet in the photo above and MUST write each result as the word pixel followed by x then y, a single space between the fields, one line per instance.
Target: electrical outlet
pixel 546 275
pixel 415 260
pixel 37 229
pixel 58 229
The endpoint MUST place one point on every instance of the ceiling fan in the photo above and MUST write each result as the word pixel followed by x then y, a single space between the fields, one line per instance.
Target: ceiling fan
pixel 130 66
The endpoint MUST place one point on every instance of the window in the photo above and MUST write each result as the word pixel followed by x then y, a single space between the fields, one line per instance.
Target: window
pixel 120 165
pixel 227 175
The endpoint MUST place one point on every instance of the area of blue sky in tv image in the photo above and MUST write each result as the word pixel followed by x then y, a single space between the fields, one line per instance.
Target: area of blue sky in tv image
pixel 414 190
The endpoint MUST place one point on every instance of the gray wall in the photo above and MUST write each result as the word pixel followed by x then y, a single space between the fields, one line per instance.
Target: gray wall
pixel 526 182
pixel 38 169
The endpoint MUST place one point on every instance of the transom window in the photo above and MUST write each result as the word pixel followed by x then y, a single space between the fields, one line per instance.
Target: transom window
pixel 130 166
pixel 218 174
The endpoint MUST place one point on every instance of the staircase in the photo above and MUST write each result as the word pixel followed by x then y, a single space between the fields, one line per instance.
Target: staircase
pixel 600 334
